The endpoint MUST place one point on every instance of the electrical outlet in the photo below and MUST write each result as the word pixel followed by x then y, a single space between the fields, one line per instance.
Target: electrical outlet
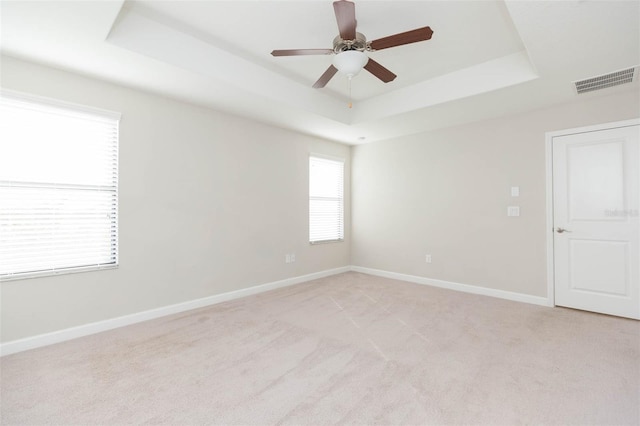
pixel 287 258
pixel 427 258
pixel 513 211
pixel 293 257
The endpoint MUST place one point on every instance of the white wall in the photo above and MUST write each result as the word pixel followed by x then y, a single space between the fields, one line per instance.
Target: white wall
pixel 446 193
pixel 209 203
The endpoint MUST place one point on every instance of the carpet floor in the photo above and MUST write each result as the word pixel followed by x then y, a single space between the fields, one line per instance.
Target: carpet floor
pixel 346 349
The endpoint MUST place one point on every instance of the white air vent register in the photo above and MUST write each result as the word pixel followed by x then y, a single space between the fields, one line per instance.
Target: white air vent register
pixel 606 80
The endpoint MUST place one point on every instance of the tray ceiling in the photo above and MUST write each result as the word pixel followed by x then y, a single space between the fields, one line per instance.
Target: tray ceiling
pixel 486 58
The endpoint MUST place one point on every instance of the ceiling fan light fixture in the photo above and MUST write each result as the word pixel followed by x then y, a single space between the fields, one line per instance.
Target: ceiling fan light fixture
pixel 350 62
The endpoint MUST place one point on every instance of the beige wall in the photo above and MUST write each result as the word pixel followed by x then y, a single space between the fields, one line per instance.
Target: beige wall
pixel 209 203
pixel 446 193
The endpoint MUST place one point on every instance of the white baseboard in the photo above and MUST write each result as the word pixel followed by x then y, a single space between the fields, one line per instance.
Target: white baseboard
pixel 109 324
pixel 518 297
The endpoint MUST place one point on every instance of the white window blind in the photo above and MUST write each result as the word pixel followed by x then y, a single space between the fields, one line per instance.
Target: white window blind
pixel 326 200
pixel 58 187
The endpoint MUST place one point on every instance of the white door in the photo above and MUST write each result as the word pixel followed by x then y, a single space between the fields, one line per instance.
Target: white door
pixel 596 188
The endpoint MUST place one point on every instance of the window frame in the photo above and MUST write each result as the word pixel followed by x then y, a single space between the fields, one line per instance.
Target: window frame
pixel 341 230
pixel 112 189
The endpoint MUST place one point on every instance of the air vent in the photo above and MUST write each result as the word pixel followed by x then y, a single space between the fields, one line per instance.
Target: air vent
pixel 604 81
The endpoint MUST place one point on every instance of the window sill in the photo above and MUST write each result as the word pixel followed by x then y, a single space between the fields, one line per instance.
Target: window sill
pixel 313 243
pixel 43 274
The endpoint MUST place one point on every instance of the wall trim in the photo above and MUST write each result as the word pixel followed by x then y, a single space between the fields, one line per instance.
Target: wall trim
pixel 466 288
pixel 548 153
pixel 59 336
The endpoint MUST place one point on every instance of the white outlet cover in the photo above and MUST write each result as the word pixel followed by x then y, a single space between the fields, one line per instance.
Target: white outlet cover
pixel 515 191
pixel 513 211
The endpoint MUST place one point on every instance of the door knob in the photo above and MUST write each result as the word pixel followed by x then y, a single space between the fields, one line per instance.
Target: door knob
pixel 560 230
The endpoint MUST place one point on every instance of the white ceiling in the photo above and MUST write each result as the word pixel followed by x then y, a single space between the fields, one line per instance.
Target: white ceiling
pixel 485 59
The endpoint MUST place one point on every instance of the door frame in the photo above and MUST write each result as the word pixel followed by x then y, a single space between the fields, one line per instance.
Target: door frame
pixel 549 190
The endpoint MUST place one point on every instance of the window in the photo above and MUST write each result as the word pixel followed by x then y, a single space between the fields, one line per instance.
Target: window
pixel 58 187
pixel 326 200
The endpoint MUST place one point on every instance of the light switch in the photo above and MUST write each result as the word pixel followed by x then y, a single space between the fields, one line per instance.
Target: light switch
pixel 513 211
pixel 515 191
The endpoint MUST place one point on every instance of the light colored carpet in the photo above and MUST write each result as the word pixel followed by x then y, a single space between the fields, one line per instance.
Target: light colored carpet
pixel 348 349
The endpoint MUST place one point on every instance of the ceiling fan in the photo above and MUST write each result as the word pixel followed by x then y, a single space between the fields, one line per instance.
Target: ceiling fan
pixel 349 47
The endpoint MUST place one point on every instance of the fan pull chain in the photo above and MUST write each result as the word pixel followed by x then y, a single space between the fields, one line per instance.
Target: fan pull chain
pixel 350 104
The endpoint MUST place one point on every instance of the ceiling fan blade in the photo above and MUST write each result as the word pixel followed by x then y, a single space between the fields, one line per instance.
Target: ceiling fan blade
pixel 346 17
pixel 420 34
pixel 299 52
pixel 324 78
pixel 379 71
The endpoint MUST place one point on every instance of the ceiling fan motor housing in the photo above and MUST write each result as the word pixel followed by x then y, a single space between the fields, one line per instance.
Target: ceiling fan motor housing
pixel 359 43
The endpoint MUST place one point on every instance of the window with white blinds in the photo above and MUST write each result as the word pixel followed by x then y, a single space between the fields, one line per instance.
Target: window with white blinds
pixel 58 187
pixel 326 200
